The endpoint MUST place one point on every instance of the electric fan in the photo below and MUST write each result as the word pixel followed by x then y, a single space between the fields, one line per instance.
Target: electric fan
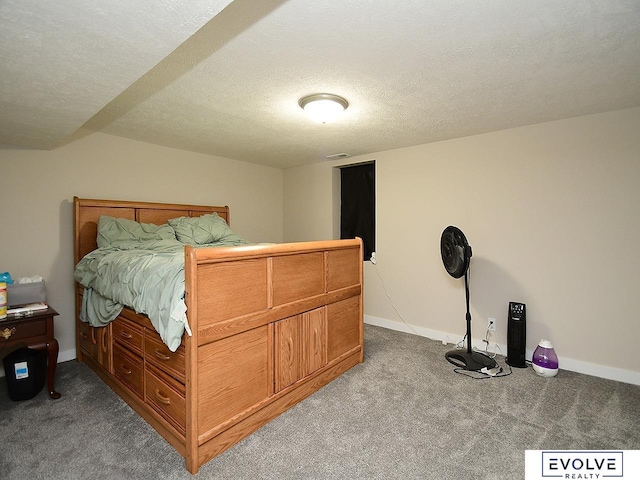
pixel 456 256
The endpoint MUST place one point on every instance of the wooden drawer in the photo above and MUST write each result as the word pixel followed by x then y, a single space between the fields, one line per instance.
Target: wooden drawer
pixel 105 346
pixel 166 396
pixel 157 353
pixel 129 369
pixel 88 341
pixel 25 328
pixel 128 334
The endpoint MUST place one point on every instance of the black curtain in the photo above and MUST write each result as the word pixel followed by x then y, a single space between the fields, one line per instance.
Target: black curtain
pixel 358 201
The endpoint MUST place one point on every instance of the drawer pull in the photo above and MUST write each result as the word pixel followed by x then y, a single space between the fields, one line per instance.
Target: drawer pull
pixel 84 336
pixel 126 370
pixel 161 398
pixel 6 333
pixel 161 355
pixel 126 335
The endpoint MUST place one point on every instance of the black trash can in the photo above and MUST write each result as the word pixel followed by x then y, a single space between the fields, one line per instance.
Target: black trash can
pixel 25 370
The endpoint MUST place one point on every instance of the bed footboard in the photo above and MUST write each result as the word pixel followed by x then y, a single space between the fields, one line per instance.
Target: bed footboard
pixel 271 324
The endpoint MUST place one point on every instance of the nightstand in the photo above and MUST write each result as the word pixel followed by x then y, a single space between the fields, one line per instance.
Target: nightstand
pixel 34 331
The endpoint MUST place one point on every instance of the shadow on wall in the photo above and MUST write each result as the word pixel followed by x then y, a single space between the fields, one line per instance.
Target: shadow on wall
pixel 491 290
pixel 61 286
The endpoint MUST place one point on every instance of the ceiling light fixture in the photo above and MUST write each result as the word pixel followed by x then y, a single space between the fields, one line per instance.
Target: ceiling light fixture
pixel 323 107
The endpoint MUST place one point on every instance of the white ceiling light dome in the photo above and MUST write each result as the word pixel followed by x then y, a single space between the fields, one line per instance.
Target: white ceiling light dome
pixel 323 107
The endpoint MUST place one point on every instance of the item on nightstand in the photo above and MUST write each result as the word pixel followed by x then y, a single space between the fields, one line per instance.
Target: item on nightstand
pixel 23 291
pixel 545 360
pixel 3 300
pixel 27 309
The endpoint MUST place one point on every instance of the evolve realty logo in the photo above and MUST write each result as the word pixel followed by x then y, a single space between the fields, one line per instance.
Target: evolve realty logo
pixel 582 464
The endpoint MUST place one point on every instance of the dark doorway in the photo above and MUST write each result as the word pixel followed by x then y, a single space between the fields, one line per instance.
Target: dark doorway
pixel 358 204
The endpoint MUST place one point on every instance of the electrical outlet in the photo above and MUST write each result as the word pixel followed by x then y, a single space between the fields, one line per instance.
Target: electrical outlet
pixel 491 325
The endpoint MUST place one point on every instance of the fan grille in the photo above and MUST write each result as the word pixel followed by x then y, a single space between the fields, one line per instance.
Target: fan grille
pixel 455 251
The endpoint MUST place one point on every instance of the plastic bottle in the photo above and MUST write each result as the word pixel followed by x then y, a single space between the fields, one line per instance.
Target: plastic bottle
pixel 3 300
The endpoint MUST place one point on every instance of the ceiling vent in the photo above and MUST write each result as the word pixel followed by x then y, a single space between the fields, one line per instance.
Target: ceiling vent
pixel 337 156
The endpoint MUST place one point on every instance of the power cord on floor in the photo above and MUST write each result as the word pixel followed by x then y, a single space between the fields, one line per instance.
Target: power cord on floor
pixel 459 345
pixel 384 287
pixel 486 341
pixel 374 262
pixel 483 375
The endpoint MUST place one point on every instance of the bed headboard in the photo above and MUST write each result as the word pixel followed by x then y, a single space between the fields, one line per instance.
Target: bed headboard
pixel 87 212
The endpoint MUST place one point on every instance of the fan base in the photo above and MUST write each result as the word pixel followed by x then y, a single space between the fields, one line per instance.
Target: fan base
pixel 473 361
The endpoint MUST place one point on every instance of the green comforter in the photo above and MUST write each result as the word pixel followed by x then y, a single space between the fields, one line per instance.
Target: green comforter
pixel 147 277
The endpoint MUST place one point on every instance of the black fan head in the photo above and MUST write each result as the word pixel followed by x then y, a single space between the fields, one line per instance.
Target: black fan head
pixel 456 252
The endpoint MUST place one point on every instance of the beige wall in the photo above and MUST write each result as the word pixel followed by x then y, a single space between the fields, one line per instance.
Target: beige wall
pixel 37 189
pixel 552 212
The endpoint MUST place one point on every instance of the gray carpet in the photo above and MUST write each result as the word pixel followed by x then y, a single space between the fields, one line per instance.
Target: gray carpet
pixel 401 414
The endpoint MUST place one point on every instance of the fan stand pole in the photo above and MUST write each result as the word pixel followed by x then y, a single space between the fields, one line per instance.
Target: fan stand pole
pixel 468 317
pixel 469 360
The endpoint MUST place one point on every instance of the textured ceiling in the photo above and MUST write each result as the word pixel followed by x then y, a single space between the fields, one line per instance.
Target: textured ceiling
pixel 226 81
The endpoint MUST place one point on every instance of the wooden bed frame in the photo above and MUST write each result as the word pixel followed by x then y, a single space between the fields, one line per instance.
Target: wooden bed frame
pixel 271 324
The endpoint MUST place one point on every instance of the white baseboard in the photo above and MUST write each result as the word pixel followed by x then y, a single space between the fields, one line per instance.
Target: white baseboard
pixel 66 355
pixel 602 371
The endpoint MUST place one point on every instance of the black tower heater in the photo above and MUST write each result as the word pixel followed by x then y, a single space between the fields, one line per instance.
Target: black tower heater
pixel 517 335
